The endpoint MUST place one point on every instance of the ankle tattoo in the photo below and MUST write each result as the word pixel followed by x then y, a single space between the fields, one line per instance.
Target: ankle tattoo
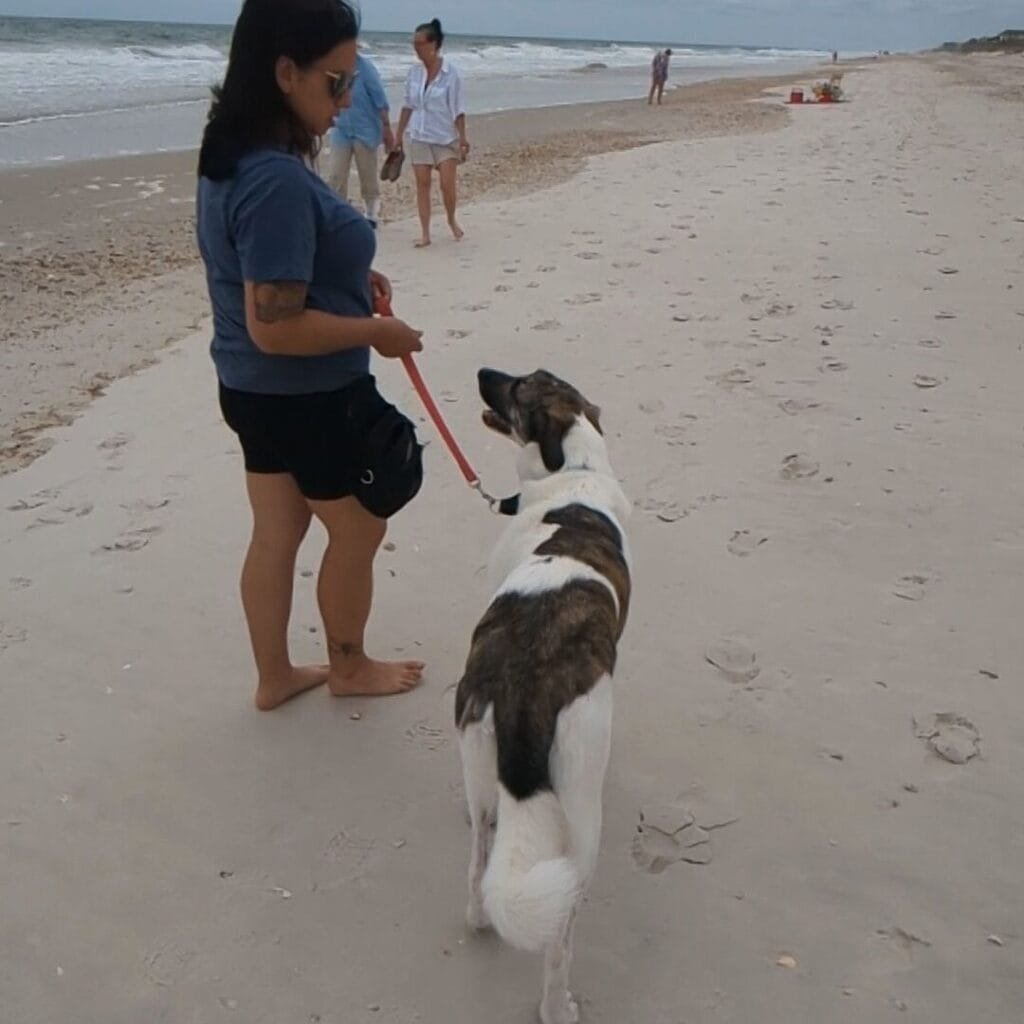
pixel 346 650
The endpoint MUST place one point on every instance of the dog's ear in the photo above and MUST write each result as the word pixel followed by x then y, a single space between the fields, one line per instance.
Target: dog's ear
pixel 549 434
pixel 593 413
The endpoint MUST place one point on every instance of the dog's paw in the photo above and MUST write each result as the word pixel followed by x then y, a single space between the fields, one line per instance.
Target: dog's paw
pixel 476 916
pixel 560 1009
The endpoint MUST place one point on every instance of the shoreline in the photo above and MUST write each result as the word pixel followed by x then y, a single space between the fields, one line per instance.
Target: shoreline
pixel 99 269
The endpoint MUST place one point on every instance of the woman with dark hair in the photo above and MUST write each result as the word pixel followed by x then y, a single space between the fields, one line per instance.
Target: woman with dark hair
pixel 288 266
pixel 435 117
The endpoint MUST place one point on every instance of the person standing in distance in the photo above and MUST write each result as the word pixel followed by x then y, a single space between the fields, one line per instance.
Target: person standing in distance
pixel 659 75
pixel 435 117
pixel 358 131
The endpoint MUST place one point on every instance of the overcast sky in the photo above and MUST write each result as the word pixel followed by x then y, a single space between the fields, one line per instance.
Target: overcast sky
pixel 847 24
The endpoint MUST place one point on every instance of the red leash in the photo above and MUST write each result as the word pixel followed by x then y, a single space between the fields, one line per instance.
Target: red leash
pixel 382 307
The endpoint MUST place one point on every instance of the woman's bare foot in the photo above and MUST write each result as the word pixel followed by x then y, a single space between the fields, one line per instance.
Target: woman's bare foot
pixel 272 693
pixel 423 242
pixel 457 232
pixel 363 677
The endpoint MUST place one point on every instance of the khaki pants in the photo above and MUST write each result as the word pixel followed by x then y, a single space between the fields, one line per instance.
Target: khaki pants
pixel 340 168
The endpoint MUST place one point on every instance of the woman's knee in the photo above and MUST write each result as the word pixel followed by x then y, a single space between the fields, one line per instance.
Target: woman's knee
pixel 278 535
pixel 350 525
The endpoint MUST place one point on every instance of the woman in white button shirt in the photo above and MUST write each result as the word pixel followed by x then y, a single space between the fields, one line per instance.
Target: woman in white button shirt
pixel 435 118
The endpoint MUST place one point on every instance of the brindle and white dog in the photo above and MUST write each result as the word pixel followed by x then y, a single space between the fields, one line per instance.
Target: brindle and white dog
pixel 534 707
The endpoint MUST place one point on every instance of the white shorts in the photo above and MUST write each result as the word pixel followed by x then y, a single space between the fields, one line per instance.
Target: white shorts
pixel 428 154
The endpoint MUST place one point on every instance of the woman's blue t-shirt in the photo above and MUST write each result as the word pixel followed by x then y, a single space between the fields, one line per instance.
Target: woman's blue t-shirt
pixel 276 220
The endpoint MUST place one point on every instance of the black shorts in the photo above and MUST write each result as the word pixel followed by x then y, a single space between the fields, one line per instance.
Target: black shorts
pixel 335 444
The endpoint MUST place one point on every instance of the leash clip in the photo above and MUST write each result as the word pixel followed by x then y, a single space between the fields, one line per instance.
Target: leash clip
pixel 492 502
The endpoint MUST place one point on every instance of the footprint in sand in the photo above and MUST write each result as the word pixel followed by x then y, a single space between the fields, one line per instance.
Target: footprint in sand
pixel 952 737
pixel 732 378
pixel 20 583
pixel 922 380
pixel 906 942
pixel 143 505
pixel 745 542
pixel 733 656
pixel 833 365
pixel 455 333
pixel 667 510
pixel 10 635
pixel 799 466
pixel 652 407
pixel 945 314
pixel 115 443
pixel 546 325
pixel 948 271
pixel 795 406
pixel 503 288
pixel 584 299
pixel 131 540
pixel 61 516
pixel 669 833
pixel 427 736
pixel 675 434
pixel 347 856
pixel 774 309
pixel 546 268
pixel 476 307
pixel 167 964
pixel 911 587
pixel 34 501
pixel 588 255
pixel 837 304
pixel 930 343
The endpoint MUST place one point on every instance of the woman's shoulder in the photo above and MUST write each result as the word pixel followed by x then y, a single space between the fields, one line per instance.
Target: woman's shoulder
pixel 272 165
pixel 271 172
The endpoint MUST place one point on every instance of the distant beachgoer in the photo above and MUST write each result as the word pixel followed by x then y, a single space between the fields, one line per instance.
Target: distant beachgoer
pixel 835 56
pixel 659 75
pixel 435 116
pixel 288 266
pixel 358 133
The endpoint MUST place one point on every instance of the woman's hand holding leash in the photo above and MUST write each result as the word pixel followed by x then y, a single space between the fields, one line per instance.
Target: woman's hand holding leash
pixel 395 338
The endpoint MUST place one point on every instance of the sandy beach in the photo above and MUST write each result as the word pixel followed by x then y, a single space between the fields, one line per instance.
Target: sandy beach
pixel 805 329
pixel 98 263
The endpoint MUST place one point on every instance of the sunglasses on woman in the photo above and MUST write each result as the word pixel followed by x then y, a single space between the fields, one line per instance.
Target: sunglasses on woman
pixel 341 82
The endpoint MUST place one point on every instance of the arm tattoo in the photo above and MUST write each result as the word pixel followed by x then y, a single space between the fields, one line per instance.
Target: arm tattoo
pixel 279 300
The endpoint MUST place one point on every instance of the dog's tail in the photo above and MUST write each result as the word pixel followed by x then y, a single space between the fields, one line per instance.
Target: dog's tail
pixel 532 883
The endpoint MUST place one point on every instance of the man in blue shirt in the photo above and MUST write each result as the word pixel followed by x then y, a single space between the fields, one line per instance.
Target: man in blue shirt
pixel 358 132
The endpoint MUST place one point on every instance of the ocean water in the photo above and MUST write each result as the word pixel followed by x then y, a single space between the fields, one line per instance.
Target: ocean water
pixel 77 89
